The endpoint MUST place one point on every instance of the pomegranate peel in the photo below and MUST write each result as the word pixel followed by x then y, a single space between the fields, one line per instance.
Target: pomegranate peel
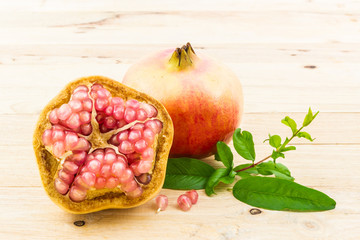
pixel 203 97
pixel 57 159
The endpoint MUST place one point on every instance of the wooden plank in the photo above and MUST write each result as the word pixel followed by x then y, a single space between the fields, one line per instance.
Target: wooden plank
pixel 124 27
pixel 230 218
pixel 285 87
pixel 163 5
pixel 254 53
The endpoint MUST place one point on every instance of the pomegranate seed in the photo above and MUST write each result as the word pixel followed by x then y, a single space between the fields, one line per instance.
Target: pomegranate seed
pixel 47 137
pixel 79 157
pixel 58 148
pixel 148 154
pixel 100 183
pixel 155 125
pixel 85 117
pixel 110 122
pixel 80 95
pixel 109 110
pixel 94 166
pixel 193 195
pixel 83 145
pixel 103 129
pixel 144 166
pixel 81 88
pixel 121 159
pixel 134 135
pixel 113 140
pixel 106 171
pixel 88 178
pixel 126 176
pixel 109 158
pixel 124 135
pixel 149 136
pixel 134 167
pixel 87 105
pixel 140 145
pixel 70 167
pixel 144 178
pixel 77 194
pixel 129 186
pixel 121 123
pixel 71 140
pixel 61 186
pixel 141 115
pixel 138 126
pixel 75 105
pixel 73 121
pixel 132 104
pixel 136 193
pixel 112 182
pixel 53 116
pixel 126 147
pixel 116 101
pixel 101 104
pixel 184 202
pixel 161 202
pixel 64 112
pixel 58 135
pixel 149 109
pixel 118 112
pixel 66 177
pixel 118 168
pixel 129 115
pixel 86 129
pixel 109 150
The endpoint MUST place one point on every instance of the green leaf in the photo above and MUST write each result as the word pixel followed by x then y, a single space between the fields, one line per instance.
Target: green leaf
pixel 309 117
pixel 225 154
pixel 217 157
pixel 275 141
pixel 227 179
pixel 305 135
pixel 280 194
pixel 244 144
pixel 289 148
pixel 283 145
pixel 250 170
pixel 243 174
pixel 291 123
pixel 278 169
pixel 187 174
pixel 214 180
pixel 275 155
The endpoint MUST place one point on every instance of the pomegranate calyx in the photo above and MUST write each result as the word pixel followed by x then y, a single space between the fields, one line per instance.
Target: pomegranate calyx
pixel 183 57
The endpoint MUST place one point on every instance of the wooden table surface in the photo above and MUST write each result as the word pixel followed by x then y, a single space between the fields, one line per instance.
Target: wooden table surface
pixel 289 55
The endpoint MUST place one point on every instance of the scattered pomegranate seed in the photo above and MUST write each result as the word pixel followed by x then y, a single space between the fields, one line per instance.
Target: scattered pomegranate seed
pixel 161 202
pixel 193 195
pixel 184 202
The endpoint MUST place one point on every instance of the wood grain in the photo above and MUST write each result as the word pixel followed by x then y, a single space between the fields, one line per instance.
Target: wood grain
pixel 289 55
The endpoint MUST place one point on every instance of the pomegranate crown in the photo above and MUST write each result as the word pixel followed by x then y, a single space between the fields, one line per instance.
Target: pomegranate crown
pixel 182 57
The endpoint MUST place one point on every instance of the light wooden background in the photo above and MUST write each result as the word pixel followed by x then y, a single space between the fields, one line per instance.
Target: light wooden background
pixel 46 43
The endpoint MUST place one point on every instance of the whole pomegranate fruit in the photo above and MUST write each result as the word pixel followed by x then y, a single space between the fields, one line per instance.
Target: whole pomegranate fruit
pixel 203 97
pixel 100 144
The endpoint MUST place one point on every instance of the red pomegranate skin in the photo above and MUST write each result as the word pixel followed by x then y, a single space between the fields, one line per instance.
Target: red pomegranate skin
pixel 203 97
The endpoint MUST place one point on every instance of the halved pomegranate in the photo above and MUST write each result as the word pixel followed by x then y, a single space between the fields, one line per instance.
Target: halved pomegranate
pixel 100 144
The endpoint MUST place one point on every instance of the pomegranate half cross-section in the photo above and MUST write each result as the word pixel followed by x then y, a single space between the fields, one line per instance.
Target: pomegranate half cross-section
pixel 100 145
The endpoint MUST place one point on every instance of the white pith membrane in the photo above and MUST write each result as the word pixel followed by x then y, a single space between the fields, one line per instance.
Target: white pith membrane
pixel 103 143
